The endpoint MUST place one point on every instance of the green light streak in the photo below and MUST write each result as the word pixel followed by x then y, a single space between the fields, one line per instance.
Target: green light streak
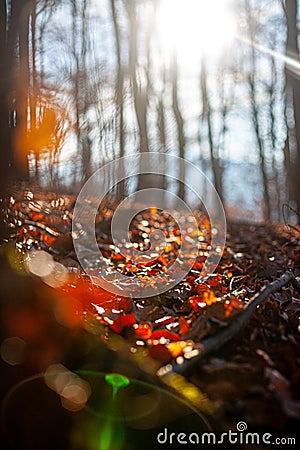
pixel 117 381
pixel 105 440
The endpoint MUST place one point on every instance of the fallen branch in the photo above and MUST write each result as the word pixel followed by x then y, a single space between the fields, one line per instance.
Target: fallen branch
pixel 213 343
pixel 42 227
pixel 284 218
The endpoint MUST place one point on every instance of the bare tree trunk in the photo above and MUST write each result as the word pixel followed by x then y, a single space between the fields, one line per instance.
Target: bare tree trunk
pixel 207 115
pixel 139 97
pixel 272 103
pixel 161 127
pixel 80 84
pixel 16 68
pixel 119 91
pixel 5 129
pixel 179 124
pixel 139 93
pixel 23 86
pixel 42 53
pixel 33 87
pixel 84 86
pixel 14 23
pixel 293 86
pixel 256 121
pixel 18 49
pixel 6 65
pixel 76 74
pixel 263 169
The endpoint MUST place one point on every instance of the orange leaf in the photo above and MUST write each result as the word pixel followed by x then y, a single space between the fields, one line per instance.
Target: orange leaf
pixel 166 334
pixel 143 330
pixel 124 321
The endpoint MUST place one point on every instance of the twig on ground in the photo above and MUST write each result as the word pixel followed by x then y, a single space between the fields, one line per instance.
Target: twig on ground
pixel 295 284
pixel 213 343
pixel 42 227
pixel 284 218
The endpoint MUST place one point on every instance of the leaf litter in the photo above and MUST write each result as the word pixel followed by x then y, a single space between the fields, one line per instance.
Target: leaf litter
pixel 260 365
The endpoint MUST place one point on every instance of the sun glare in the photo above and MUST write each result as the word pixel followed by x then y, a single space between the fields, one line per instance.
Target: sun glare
pixel 194 28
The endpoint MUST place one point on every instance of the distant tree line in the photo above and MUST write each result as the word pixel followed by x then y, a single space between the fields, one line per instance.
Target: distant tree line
pixel 80 86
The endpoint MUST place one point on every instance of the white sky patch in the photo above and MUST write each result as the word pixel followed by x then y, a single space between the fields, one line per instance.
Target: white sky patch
pixel 193 29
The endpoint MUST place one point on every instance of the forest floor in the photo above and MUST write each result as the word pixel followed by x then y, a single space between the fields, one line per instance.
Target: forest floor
pixel 252 376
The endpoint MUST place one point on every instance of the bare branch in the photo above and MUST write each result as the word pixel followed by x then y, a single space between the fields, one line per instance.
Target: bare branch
pixel 213 343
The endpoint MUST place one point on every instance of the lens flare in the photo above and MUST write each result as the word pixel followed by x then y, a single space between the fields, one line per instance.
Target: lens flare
pixel 13 350
pixel 116 380
pixel 192 29
pixel 73 390
pixel 94 261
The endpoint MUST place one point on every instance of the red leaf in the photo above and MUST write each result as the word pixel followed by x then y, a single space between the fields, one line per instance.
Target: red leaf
pixel 196 302
pixel 201 288
pixel 160 353
pixel 166 334
pixel 215 280
pixel 123 321
pixel 184 326
pixel 36 216
pixel 143 330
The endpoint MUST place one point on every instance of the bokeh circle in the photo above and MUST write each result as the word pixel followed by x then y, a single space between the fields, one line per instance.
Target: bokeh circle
pixel 102 182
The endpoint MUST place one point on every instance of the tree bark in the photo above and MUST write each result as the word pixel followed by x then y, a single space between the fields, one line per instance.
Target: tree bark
pixel 272 113
pixel 161 125
pixel 217 170
pixel 293 85
pixel 22 97
pixel 6 65
pixel 256 120
pixel 14 24
pixel 14 20
pixel 180 126
pixel 140 93
pixel 119 91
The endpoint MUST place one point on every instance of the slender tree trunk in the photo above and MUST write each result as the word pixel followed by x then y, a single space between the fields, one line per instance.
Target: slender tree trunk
pixel 293 85
pixel 119 91
pixel 139 92
pixel 180 126
pixel 272 113
pixel 23 89
pixel 17 69
pixel 42 54
pixel 84 87
pixel 6 65
pixel 140 100
pixel 14 23
pixel 263 169
pixel 76 75
pixel 288 91
pixel 34 87
pixel 5 129
pixel 207 115
pixel 15 79
pixel 161 125
pixel 256 121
